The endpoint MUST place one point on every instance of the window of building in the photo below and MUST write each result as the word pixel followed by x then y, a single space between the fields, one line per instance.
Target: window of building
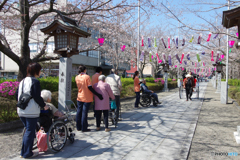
pixel 133 65
pixel 93 54
pixel 33 47
pixel 83 53
pixel 50 47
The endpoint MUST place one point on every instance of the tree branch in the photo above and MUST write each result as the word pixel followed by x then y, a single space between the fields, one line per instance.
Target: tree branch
pixel 42 52
pixel 9 53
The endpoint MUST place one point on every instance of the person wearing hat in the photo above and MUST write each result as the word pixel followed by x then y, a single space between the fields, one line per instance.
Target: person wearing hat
pixel 188 84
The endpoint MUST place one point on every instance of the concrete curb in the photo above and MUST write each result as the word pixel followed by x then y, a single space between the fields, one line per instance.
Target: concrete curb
pixel 10 125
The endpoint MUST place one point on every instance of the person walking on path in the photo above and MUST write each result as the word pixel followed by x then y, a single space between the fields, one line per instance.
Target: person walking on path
pixel 188 84
pixel 151 93
pixel 30 114
pixel 94 81
pixel 116 85
pixel 136 88
pixel 84 98
pixel 102 106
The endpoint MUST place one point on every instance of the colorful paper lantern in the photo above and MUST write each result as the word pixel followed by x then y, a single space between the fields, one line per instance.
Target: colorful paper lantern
pixel 182 58
pixel 212 56
pixel 170 60
pixel 150 55
pixel 177 58
pixel 209 36
pixel 155 42
pixel 188 56
pixel 231 43
pixel 198 57
pixel 142 41
pixel 100 41
pixel 215 36
pixel 199 38
pixel 142 56
pixel 123 48
pixel 164 57
pixel 149 42
pixel 164 43
pixel 191 39
pixel 168 42
pixel 158 58
pixel 183 42
pixel 177 42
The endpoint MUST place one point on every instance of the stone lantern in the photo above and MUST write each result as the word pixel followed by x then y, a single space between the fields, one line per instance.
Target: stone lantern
pixel 165 69
pixel 66 34
pixel 219 67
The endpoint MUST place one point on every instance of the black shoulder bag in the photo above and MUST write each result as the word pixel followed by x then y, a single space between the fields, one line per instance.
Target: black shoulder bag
pixel 23 99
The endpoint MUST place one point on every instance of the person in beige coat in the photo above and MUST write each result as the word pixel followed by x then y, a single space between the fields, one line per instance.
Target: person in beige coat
pixel 116 85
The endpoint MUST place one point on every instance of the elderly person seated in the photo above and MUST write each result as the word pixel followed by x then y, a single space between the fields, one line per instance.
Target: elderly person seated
pixel 146 90
pixel 102 105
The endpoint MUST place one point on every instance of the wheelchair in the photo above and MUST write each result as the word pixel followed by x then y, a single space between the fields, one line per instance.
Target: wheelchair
pixel 60 129
pixel 146 99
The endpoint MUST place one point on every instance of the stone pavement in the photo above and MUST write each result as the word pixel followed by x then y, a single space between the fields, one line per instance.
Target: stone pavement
pixel 214 138
pixel 163 132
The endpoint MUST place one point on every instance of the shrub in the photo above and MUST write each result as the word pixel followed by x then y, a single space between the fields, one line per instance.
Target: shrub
pixel 237 95
pixel 8 110
pixel 172 84
pixel 232 91
pixel 8 89
pixel 169 80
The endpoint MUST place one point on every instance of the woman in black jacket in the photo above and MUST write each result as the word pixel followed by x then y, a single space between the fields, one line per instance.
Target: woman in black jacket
pixel 30 114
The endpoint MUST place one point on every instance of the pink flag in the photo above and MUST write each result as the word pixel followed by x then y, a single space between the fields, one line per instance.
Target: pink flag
pixel 209 36
pixel 212 56
pixel 168 42
pixel 158 58
pixel 195 71
pixel 195 64
pixel 142 41
pixel 182 58
pixel 203 63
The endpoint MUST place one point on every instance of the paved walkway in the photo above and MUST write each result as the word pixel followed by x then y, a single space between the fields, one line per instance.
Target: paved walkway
pixel 213 138
pixel 163 132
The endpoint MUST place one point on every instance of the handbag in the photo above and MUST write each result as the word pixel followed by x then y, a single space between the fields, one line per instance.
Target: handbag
pixel 113 104
pixel 23 99
pixel 42 141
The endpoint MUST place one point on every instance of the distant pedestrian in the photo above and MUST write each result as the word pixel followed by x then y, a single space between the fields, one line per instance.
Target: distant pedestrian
pixel 116 85
pixel 102 106
pixel 94 81
pixel 136 88
pixel 84 98
pixel 29 116
pixel 188 85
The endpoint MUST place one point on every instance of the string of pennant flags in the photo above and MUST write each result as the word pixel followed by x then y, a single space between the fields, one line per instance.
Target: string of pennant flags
pixel 177 44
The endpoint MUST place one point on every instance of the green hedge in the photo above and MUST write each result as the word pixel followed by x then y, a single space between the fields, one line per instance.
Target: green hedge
pixel 8 110
pixel 232 82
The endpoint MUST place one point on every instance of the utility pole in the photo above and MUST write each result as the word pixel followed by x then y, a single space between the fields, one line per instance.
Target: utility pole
pixel 138 39
pixel 227 60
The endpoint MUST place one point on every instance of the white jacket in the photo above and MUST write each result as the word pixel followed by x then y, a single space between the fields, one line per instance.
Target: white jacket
pixel 115 83
pixel 32 87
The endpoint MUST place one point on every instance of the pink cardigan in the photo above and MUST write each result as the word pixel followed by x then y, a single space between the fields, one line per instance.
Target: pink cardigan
pixel 105 90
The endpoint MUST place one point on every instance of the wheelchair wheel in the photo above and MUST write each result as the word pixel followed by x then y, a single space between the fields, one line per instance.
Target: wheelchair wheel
pixel 71 137
pixel 114 118
pixel 145 101
pixel 57 136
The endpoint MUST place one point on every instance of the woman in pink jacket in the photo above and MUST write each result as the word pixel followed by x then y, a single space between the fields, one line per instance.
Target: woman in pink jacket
pixel 102 105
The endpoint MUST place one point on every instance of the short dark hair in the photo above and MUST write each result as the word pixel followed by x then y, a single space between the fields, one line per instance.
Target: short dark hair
pixel 33 69
pixel 81 68
pixel 99 69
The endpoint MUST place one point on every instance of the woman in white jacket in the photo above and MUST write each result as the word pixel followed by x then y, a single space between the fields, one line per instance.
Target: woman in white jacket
pixel 30 114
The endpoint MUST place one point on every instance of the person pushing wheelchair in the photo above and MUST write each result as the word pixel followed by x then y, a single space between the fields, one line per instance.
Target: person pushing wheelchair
pixel 146 90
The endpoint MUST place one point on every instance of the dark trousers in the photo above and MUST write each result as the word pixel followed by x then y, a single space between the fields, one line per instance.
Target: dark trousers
pixel 27 144
pixel 117 99
pixel 82 115
pixel 137 99
pixel 155 96
pixel 188 93
pixel 99 115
